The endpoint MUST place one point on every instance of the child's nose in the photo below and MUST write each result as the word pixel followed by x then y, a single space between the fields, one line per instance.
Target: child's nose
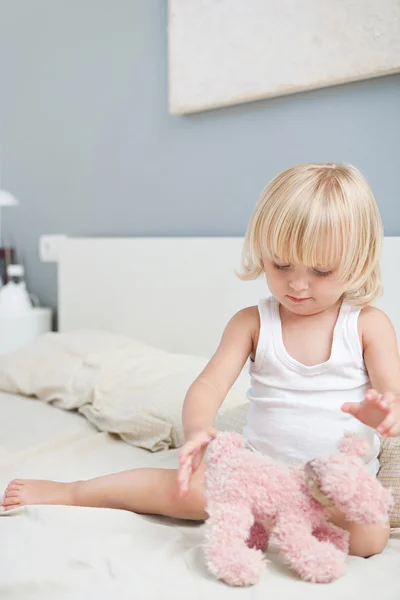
pixel 298 284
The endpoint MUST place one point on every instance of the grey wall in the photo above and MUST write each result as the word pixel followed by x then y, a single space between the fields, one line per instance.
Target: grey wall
pixel 90 149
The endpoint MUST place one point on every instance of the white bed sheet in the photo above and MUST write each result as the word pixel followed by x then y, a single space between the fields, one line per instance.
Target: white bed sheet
pixel 27 423
pixel 52 552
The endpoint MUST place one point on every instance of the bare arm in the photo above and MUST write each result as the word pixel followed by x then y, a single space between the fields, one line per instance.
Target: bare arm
pixel 209 390
pixel 381 353
pixel 381 407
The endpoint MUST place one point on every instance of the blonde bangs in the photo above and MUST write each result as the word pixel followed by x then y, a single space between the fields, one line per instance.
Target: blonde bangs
pixel 302 239
pixel 321 216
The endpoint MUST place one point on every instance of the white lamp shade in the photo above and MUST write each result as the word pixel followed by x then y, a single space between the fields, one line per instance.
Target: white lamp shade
pixel 7 199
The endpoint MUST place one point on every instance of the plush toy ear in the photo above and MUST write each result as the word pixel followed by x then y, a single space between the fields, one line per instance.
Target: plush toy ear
pixel 353 445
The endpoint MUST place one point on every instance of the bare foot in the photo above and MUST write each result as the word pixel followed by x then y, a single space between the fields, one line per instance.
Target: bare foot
pixel 21 492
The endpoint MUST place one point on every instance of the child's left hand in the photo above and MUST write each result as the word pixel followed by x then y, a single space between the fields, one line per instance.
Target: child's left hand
pixel 380 411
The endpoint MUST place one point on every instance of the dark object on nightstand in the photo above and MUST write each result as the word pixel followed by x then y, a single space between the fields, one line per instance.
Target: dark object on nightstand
pixel 6 258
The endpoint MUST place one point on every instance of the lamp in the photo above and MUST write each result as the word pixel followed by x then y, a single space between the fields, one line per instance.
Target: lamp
pixel 6 199
pixel 6 254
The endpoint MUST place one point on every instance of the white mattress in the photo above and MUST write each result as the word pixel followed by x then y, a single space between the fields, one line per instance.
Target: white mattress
pixel 51 552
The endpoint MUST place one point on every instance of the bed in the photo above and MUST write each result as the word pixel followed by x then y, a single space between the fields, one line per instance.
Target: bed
pixel 129 286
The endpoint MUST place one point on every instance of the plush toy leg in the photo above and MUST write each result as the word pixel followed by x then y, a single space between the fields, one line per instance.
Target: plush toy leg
pixel 311 559
pixel 227 555
pixel 326 532
pixel 258 537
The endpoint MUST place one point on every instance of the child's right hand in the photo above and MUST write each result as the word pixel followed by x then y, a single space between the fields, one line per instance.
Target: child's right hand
pixel 191 456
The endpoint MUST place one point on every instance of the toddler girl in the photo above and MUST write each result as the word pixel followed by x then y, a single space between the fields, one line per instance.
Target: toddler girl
pixel 316 349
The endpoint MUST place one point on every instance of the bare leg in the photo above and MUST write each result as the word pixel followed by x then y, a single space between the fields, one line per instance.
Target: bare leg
pixel 150 491
pixel 365 540
pixel 155 491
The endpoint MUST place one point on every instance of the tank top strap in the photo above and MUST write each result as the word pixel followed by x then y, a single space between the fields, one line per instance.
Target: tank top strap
pixel 266 313
pixel 348 331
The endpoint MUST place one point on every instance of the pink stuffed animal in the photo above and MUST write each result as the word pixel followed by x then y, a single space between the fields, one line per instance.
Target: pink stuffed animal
pixel 245 490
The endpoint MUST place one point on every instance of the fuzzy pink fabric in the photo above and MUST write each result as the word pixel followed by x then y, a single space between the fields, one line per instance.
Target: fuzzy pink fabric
pixel 248 495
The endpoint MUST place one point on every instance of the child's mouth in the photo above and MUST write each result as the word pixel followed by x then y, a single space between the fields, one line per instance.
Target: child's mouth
pixel 297 300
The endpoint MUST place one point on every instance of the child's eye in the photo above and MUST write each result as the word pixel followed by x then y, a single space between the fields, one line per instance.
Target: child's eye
pixel 322 273
pixel 281 267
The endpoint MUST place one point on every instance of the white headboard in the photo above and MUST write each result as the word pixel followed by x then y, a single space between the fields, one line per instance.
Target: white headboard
pixel 174 293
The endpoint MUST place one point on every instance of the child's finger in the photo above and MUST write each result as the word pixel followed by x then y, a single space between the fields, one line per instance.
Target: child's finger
pixel 200 446
pixel 353 408
pixel 386 400
pixel 197 459
pixel 372 396
pixel 185 467
pixel 383 405
pixel 185 486
pixel 192 446
pixel 183 454
pixel 183 470
pixel 386 424
pixel 196 462
pixel 184 477
pixel 187 450
pixel 394 430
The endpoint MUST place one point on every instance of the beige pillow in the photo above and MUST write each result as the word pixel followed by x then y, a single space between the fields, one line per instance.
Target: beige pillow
pixel 140 396
pixel 389 473
pixel 60 367
pixel 120 385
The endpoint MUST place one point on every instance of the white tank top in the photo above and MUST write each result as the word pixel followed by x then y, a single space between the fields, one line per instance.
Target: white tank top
pixel 294 412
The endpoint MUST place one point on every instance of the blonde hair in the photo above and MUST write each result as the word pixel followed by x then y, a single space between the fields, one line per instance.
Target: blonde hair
pixel 319 215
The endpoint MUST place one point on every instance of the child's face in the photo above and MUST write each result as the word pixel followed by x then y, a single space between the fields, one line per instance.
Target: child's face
pixel 301 289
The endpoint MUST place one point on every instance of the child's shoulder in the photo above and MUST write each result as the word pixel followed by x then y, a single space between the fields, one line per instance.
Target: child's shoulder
pixel 248 316
pixel 247 321
pixel 372 314
pixel 374 322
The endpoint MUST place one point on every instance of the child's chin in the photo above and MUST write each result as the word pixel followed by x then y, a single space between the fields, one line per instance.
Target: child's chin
pixel 305 307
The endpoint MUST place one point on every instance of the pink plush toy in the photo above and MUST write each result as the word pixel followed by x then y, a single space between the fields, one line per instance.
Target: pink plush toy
pixel 245 490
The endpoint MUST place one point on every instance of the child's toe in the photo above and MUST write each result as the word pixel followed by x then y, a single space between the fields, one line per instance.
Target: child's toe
pixel 15 484
pixel 10 501
pixel 12 494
